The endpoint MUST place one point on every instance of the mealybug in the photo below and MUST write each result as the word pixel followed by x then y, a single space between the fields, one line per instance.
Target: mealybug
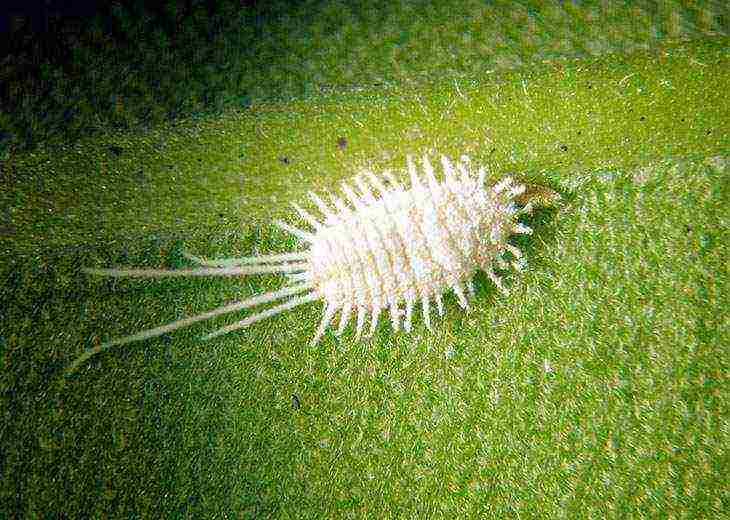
pixel 378 248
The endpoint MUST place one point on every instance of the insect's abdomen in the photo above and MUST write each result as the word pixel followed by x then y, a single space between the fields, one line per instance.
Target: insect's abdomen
pixel 404 245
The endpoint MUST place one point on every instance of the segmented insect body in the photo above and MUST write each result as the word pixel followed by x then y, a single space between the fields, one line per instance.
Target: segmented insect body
pixel 376 253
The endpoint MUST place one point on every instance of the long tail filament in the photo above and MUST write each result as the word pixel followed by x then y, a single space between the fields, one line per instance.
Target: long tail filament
pixel 223 267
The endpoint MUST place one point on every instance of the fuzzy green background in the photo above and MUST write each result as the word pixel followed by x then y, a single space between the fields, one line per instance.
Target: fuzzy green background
pixel 598 388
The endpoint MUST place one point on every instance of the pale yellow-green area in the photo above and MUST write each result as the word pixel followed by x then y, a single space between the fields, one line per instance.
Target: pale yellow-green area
pixel 202 177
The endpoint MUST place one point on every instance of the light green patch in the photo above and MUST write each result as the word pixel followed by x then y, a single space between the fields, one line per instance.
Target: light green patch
pixel 226 174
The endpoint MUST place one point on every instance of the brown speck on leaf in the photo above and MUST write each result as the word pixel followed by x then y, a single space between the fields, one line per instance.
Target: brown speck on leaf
pixel 342 143
pixel 539 196
pixel 564 147
pixel 284 159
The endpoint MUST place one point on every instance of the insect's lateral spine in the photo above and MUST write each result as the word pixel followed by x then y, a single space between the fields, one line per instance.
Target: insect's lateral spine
pixel 413 173
pixel 320 205
pixel 397 187
pixel 367 194
pixel 299 233
pixel 344 318
pixel 352 197
pixel 449 177
pixel 426 310
pixel 522 229
pixel 409 313
pixel 307 217
pixel 439 304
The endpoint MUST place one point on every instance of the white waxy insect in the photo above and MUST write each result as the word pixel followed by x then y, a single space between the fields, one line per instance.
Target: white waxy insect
pixel 375 253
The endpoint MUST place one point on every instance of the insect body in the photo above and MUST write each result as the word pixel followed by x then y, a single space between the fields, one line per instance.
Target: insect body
pixel 373 253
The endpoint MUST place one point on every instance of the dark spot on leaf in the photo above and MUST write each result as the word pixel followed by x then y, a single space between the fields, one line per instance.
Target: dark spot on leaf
pixel 295 402
pixel 564 147
pixel 7 231
pixel 642 118
pixel 284 159
pixel 709 132
pixel 220 215
pixel 116 150
pixel 341 143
